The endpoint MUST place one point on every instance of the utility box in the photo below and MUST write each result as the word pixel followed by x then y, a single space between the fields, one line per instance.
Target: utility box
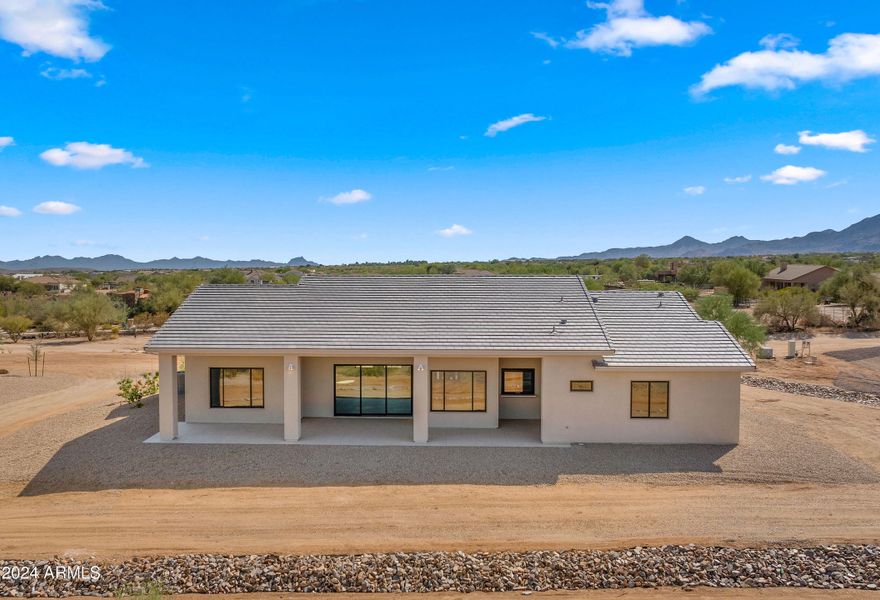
pixel 765 352
pixel 792 349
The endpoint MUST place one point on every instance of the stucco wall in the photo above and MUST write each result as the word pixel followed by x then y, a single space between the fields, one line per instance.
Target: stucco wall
pixel 318 380
pixel 703 406
pixel 521 407
pixel 488 419
pixel 198 401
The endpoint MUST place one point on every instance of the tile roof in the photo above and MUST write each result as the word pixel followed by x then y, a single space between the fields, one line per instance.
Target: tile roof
pixel 792 272
pixel 428 312
pixel 648 329
pixel 449 313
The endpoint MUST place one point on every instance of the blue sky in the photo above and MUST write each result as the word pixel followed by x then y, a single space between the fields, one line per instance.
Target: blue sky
pixel 363 130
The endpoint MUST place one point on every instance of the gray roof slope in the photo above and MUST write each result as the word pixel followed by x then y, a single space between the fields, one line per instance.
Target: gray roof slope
pixel 792 272
pixel 435 312
pixel 650 330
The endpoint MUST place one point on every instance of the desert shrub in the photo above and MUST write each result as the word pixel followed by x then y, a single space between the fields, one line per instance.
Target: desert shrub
pixel 89 310
pixel 786 308
pixel 741 282
pixel 719 307
pixel 226 275
pixel 15 326
pixel 133 392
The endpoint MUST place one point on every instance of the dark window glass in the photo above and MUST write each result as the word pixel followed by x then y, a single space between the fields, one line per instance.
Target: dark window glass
pixel 518 381
pixel 375 390
pixel 458 391
pixel 649 399
pixel 237 387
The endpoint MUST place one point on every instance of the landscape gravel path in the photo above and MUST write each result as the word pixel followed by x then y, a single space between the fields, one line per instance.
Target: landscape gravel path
pixel 825 567
pixel 810 389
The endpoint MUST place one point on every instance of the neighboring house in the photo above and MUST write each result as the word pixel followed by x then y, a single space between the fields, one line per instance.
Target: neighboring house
pixel 21 276
pixel 55 284
pixel 454 352
pixel 669 275
pixel 806 276
pixel 257 278
pixel 131 297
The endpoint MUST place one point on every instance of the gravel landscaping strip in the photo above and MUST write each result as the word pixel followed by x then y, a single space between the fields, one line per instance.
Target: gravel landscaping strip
pixel 810 389
pixel 826 567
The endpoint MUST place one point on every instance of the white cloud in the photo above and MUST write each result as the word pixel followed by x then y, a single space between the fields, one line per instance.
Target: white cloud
pixel 434 169
pixel 790 175
pixel 854 141
pixel 849 56
pixel 496 128
pixel 779 41
pixel 57 73
pixel 360 236
pixel 56 27
pixel 695 190
pixel 786 149
pixel 739 179
pixel 6 140
pixel 82 243
pixel 837 183
pixel 454 231
pixel 629 26
pixel 56 208
pixel 9 211
pixel 551 41
pixel 83 155
pixel 352 197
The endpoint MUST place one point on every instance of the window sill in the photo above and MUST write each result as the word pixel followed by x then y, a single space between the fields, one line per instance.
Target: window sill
pixel 519 395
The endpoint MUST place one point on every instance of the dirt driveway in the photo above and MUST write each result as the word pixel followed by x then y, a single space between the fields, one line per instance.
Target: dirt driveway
pixel 808 471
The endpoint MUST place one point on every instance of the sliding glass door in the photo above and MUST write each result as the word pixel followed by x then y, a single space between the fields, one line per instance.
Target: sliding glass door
pixel 372 390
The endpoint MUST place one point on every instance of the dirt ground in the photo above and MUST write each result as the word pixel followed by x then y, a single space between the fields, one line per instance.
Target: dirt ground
pixel 850 361
pixel 807 472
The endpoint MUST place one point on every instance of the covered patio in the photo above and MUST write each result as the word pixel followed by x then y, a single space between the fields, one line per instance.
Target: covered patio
pixel 518 433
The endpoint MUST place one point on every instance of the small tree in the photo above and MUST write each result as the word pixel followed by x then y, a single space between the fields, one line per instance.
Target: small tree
pixel 134 392
pixel 719 307
pixel 742 284
pixel 15 326
pixel 787 307
pixel 862 298
pixel 89 310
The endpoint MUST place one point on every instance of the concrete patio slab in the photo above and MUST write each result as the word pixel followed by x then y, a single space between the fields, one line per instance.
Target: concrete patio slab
pixel 359 432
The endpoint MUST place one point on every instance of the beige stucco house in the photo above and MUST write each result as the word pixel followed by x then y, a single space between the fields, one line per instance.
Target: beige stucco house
pixel 446 351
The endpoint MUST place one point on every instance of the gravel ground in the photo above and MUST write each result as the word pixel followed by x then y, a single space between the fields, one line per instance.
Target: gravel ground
pixel 825 567
pixel 74 456
pixel 809 389
pixel 15 387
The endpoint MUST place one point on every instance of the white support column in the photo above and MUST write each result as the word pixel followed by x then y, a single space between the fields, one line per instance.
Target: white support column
pixel 168 397
pixel 292 398
pixel 421 398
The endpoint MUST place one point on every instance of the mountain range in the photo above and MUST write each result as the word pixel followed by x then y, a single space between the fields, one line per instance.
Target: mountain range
pixel 863 236
pixel 114 262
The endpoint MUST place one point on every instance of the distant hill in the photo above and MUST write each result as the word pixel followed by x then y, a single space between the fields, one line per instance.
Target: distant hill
pixel 114 262
pixel 863 236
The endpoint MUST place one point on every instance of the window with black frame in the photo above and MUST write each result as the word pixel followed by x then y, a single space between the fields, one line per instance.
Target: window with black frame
pixel 458 391
pixel 518 382
pixel 372 390
pixel 238 387
pixel 649 400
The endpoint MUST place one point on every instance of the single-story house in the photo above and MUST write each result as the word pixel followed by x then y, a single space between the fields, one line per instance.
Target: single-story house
pixel 452 351
pixel 806 276
pixel 56 284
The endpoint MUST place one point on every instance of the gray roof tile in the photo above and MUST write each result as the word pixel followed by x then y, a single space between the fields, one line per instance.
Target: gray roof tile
pixel 438 312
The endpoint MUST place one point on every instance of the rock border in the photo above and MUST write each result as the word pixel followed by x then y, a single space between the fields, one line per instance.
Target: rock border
pixel 812 389
pixel 825 567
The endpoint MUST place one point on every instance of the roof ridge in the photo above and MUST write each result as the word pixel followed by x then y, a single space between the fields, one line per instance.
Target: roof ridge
pixel 595 314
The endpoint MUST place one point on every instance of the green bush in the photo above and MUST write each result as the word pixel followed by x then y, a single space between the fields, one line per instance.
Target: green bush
pixel 134 392
pixel 719 307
